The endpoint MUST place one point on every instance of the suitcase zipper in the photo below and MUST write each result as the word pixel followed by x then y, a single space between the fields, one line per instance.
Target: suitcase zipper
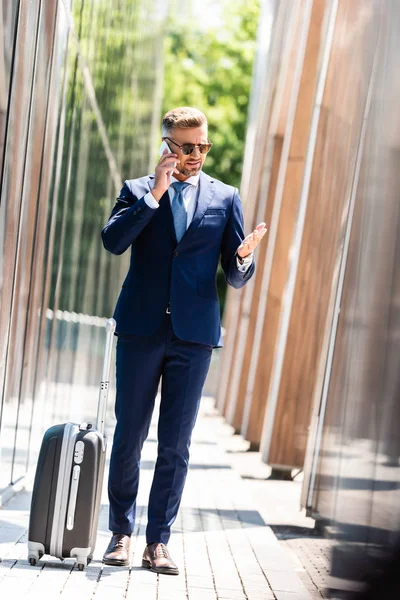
pixel 63 480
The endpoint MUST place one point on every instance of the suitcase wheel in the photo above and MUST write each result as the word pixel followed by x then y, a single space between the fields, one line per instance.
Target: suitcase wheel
pixel 89 559
pixel 81 566
pixel 33 562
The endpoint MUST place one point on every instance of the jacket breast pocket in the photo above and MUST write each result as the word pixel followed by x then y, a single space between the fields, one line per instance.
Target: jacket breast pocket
pixel 215 211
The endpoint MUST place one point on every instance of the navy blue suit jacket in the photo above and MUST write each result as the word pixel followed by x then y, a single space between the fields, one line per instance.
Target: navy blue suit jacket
pixel 164 272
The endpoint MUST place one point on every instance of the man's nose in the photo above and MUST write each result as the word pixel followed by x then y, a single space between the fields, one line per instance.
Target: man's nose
pixel 196 152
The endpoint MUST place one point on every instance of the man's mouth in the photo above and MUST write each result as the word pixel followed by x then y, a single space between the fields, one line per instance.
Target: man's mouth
pixel 193 165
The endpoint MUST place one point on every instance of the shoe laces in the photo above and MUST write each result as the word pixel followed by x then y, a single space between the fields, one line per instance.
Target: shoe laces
pixel 119 542
pixel 161 551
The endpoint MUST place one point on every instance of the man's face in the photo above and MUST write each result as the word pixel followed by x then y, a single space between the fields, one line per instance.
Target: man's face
pixel 190 164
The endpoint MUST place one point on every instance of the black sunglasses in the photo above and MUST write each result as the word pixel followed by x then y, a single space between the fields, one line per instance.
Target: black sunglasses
pixel 188 148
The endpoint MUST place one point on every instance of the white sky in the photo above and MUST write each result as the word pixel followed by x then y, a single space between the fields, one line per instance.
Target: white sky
pixel 208 13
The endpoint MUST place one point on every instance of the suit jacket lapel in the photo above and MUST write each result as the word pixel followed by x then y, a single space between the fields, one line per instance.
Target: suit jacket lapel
pixel 205 196
pixel 165 208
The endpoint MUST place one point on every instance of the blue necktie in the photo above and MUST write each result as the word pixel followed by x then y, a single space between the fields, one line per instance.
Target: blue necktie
pixel 178 209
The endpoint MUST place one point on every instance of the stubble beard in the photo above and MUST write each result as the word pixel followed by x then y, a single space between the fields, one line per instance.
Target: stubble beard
pixel 189 172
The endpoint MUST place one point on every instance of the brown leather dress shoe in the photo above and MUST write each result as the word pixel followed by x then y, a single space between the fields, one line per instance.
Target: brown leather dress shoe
pixel 156 558
pixel 117 553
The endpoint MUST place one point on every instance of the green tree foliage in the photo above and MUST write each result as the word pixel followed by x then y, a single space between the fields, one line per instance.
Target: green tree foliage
pixel 211 69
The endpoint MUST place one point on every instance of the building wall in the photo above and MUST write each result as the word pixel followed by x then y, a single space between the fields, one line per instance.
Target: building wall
pixel 79 112
pixel 310 369
pixel 352 467
pixel 262 399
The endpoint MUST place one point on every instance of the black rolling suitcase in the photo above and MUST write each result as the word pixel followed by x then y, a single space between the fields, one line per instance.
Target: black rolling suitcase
pixel 68 483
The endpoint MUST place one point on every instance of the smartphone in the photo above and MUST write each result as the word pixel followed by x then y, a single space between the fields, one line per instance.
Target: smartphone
pixel 164 146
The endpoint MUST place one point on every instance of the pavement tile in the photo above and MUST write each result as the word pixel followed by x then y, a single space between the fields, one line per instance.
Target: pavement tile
pixel 200 594
pixel 263 593
pixel 108 592
pixel 292 595
pixel 222 545
pixel 23 570
pixel 285 581
pixel 232 594
pixel 200 582
pixel 13 587
pixel 141 591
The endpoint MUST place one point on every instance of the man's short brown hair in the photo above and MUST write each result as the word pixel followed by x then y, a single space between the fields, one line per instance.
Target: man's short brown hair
pixel 184 117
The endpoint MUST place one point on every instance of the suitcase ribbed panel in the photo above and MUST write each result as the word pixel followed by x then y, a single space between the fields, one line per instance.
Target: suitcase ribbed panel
pixel 83 533
pixel 63 484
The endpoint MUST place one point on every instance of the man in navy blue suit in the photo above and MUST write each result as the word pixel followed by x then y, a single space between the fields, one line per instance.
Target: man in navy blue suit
pixel 177 224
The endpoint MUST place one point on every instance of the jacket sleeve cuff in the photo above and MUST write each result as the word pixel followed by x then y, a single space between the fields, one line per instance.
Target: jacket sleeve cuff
pixel 244 266
pixel 151 201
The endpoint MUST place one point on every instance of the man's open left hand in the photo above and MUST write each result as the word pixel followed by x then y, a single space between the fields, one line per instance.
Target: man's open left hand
pixel 251 242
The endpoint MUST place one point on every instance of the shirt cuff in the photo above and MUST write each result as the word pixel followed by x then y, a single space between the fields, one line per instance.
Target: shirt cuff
pixel 244 266
pixel 150 200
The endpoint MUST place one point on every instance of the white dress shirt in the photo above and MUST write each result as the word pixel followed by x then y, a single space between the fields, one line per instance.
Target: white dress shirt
pixel 190 201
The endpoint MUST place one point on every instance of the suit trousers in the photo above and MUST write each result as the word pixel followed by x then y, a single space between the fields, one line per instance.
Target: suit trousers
pixel 182 368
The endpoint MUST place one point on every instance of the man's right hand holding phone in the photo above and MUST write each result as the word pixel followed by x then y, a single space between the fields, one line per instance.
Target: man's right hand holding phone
pixel 165 168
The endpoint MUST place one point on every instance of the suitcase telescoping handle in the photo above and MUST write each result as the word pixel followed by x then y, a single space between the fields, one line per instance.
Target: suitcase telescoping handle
pixel 105 379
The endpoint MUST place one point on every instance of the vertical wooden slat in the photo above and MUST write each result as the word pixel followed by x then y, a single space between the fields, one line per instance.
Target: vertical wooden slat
pixel 263 178
pixel 273 25
pixel 255 393
pixel 243 358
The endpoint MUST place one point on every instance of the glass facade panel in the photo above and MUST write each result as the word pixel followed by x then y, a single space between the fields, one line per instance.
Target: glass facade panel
pixel 357 482
pixel 14 280
pixel 24 317
pixel 8 20
pixel 84 96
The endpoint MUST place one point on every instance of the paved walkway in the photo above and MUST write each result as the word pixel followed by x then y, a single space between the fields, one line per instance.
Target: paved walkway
pixel 221 542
